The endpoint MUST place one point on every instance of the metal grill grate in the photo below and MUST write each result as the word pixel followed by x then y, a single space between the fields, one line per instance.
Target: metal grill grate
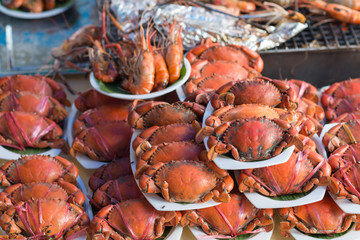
pixel 322 37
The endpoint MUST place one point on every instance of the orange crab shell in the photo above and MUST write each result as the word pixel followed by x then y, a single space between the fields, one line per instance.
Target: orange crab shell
pixel 38 168
pixel 131 219
pixel 233 218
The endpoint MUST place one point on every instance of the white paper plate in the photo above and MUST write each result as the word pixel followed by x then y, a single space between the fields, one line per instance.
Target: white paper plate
pixel 317 194
pixel 87 206
pixel 224 162
pixel 29 15
pixel 352 234
pixel 181 93
pixel 175 233
pixel 199 233
pixel 84 160
pixel 158 202
pixel 9 155
pixel 95 84
pixel 346 205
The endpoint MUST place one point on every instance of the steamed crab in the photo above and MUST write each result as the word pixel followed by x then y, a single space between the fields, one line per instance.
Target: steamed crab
pixel 234 218
pixel 150 113
pixel 187 181
pixel 340 90
pixel 340 106
pixel 246 138
pixel 38 168
pixel 131 219
pixel 346 154
pixel 342 134
pixel 40 218
pixel 300 173
pixel 56 190
pixel 21 130
pixel 306 218
pixel 266 91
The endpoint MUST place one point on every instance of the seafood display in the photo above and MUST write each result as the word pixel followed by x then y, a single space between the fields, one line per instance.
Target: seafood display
pixel 35 6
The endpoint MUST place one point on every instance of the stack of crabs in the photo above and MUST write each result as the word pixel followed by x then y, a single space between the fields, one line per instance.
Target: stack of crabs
pixel 32 111
pixel 254 119
pixel 41 200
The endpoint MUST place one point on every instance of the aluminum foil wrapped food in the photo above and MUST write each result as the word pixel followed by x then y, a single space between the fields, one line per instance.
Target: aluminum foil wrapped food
pixel 199 22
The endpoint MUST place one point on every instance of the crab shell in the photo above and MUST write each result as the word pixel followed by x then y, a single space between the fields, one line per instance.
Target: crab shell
pixel 94 99
pixel 230 219
pixel 211 51
pixel 345 117
pixel 266 91
pixel 304 90
pixel 306 218
pixel 340 106
pixel 169 133
pixel 342 134
pixel 44 106
pixel 20 130
pixel 340 90
pixel 47 217
pixel 346 154
pixel 131 219
pixel 56 190
pixel 104 141
pixel 210 83
pixel 36 84
pixel 151 113
pixel 118 190
pixel 110 171
pixel 38 168
pixel 345 184
pixel 246 139
pixel 149 155
pixel 187 181
pixel 300 173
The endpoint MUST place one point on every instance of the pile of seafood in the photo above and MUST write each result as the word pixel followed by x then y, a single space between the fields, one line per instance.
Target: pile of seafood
pixel 101 130
pixel 32 111
pixel 40 199
pixel 34 6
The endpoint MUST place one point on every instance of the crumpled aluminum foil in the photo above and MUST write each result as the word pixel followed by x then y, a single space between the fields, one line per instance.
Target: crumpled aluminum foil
pixel 199 23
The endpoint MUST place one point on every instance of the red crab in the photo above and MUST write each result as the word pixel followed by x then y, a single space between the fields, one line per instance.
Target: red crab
pixel 44 106
pixel 346 154
pixel 304 90
pixel 266 91
pixel 234 218
pixel 205 84
pixel 118 190
pixel 211 51
pixel 345 117
pixel 56 190
pixel 340 90
pixel 340 106
pixel 102 134
pixel 323 217
pixel 37 168
pixel 300 173
pixel 306 126
pixel 111 171
pixel 94 99
pixel 36 84
pixel 169 133
pixel 344 182
pixel 21 130
pixel 246 141
pixel 131 219
pixel 165 152
pixel 150 113
pixel 187 181
pixel 342 134
pixel 40 219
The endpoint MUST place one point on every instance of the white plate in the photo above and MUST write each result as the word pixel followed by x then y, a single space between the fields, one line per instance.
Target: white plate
pixel 158 202
pixel 200 234
pixel 95 84
pixel 224 162
pixel 175 233
pixel 84 160
pixel 352 234
pixel 181 93
pixel 29 15
pixel 9 155
pixel 346 205
pixel 87 206
pixel 317 194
